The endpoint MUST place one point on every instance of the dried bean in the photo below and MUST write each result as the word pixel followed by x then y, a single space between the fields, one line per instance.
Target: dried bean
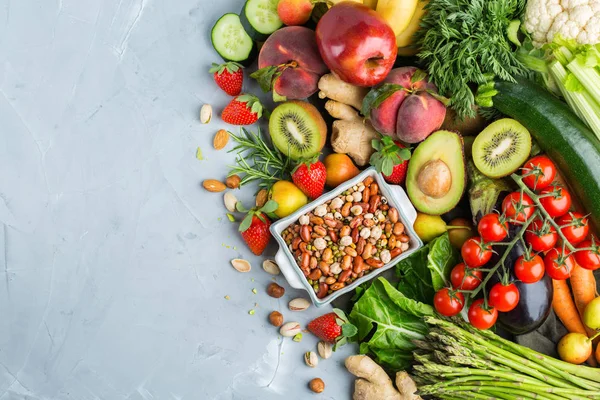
pixel 356 222
pixel 313 262
pixel 330 223
pixel 345 231
pixel 316 220
pixel 337 286
pixel 350 251
pixel 346 262
pixel 296 242
pixel 398 228
pixel 355 235
pixel 319 230
pixel 327 254
pixel 323 289
pixel 344 275
pixel 330 280
pixel 368 180
pixel 366 195
pixel 393 215
pixel 391 242
pixel 367 252
pixel 305 260
pixel 396 252
pixel 325 268
pixel 315 274
pixel 374 203
pixel 360 245
pixel 346 209
pixel 404 239
pixel 305 232
pixel 375 263
pixel 358 264
pixel 333 235
pixel 374 189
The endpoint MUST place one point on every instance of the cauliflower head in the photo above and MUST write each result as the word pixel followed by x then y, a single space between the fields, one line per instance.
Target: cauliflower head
pixel 572 19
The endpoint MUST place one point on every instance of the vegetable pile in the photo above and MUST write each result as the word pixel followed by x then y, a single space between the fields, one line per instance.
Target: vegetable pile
pixel 486 114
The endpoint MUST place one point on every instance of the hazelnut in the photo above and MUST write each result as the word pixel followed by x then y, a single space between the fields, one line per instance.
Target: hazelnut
pixel 276 318
pixel 274 290
pixel 233 182
pixel 317 385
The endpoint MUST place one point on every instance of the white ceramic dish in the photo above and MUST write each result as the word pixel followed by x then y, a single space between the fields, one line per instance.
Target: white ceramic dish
pixel 396 198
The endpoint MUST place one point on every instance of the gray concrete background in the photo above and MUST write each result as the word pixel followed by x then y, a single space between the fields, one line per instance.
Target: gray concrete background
pixel 115 261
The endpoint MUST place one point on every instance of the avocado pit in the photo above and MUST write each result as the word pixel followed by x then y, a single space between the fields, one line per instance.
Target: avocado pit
pixel 435 179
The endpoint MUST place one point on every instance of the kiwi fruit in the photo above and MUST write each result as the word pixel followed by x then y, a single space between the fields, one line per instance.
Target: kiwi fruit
pixel 297 129
pixel 501 148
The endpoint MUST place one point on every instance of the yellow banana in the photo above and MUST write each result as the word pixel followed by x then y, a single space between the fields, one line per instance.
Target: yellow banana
pixel 370 3
pixel 397 13
pixel 405 38
pixel 334 2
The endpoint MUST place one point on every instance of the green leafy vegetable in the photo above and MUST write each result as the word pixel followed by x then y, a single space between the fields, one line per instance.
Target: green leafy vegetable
pixel 426 271
pixel 463 40
pixel 396 321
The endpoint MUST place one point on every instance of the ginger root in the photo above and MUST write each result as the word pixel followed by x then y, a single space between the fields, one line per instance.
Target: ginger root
pixel 351 134
pixel 332 87
pixel 373 383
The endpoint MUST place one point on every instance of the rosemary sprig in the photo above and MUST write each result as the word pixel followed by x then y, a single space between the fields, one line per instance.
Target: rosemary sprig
pixel 257 161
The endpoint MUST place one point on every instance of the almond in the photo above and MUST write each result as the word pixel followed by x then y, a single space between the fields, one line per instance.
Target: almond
pixel 261 198
pixel 213 185
pixel 221 139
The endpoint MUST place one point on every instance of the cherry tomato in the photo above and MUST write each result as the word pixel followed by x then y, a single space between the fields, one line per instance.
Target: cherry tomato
pixel 529 269
pixel 557 200
pixel 475 253
pixel 588 259
pixel 578 228
pixel 558 265
pixel 541 236
pixel 465 278
pixel 542 172
pixel 504 298
pixel 492 228
pixel 480 317
pixel 448 302
pixel 516 208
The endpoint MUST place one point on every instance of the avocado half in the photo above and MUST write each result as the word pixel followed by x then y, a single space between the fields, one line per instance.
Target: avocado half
pixel 436 176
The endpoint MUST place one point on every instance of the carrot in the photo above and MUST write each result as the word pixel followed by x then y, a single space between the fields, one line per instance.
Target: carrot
pixel 583 284
pixel 565 309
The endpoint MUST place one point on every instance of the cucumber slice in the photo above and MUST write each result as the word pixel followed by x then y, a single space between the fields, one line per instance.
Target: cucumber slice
pixel 260 19
pixel 231 41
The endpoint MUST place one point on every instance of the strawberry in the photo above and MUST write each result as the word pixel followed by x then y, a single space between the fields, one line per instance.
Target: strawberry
pixel 333 327
pixel 243 110
pixel 391 159
pixel 310 177
pixel 255 227
pixel 229 77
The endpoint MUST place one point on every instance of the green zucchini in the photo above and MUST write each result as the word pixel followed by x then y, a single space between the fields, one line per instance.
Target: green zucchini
pixel 259 18
pixel 561 134
pixel 231 41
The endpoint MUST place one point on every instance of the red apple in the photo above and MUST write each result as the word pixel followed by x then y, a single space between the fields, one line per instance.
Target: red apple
pixel 356 43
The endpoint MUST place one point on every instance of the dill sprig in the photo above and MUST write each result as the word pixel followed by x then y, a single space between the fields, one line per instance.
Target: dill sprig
pixel 257 161
pixel 463 40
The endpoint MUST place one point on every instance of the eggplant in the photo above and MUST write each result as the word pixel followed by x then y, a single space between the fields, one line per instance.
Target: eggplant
pixel 535 301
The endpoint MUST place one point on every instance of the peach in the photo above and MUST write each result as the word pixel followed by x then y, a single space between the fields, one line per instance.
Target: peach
pixel 384 118
pixel 419 116
pixel 295 49
pixel 412 114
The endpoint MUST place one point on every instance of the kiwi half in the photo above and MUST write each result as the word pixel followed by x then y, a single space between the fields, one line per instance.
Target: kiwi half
pixel 501 148
pixel 297 129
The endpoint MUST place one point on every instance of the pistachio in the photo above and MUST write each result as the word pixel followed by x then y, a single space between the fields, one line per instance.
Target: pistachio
pixel 325 349
pixel 241 265
pixel 271 267
pixel 299 304
pixel 297 337
pixel 290 329
pixel 311 359
pixel 230 201
pixel 206 113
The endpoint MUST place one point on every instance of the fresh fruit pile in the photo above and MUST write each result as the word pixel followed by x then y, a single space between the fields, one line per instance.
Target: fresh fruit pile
pixel 490 137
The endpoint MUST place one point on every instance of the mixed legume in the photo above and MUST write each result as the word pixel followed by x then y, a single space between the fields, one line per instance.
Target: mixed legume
pixel 346 238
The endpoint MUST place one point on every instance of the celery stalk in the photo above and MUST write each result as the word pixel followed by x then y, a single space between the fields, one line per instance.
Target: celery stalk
pixel 588 76
pixel 581 102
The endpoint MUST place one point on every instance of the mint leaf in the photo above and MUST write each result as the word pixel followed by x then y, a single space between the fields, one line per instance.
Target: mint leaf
pixel 270 206
pixel 266 76
pixel 247 221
